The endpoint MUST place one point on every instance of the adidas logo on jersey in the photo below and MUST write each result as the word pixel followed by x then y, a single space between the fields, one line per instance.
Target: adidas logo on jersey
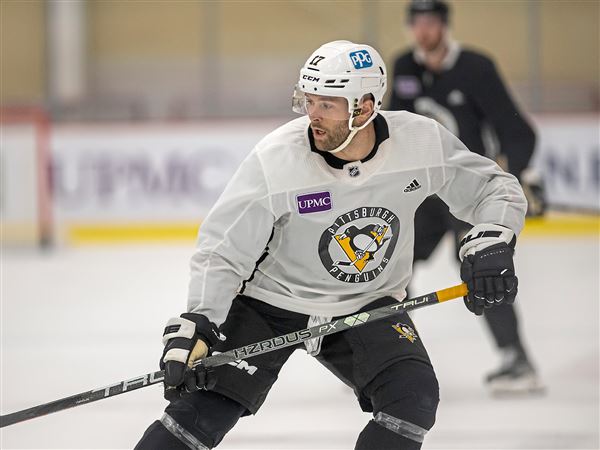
pixel 412 186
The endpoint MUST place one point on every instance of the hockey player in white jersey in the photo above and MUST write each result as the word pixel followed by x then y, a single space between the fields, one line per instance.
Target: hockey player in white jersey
pixel 318 223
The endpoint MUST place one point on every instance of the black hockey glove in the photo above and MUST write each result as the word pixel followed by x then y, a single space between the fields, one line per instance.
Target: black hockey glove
pixel 487 267
pixel 533 188
pixel 187 339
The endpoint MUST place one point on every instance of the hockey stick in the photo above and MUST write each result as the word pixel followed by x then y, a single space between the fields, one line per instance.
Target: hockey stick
pixel 259 348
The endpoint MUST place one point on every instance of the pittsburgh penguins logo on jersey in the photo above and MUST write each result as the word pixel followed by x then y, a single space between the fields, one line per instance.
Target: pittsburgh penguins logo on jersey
pixel 428 107
pixel 358 246
pixel 361 245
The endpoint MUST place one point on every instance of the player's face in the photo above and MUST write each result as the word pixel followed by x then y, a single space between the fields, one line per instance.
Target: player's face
pixel 428 31
pixel 328 120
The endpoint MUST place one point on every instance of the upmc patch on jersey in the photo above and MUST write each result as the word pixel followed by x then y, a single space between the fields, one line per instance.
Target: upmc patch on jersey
pixel 407 86
pixel 311 203
pixel 361 59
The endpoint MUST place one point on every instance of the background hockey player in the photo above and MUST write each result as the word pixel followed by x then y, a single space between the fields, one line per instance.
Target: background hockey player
pixel 462 90
pixel 317 223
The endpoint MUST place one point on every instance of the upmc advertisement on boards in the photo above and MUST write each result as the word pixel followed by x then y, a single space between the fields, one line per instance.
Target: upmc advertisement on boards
pixel 147 174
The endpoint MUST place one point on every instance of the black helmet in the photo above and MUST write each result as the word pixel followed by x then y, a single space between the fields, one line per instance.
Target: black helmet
pixel 438 7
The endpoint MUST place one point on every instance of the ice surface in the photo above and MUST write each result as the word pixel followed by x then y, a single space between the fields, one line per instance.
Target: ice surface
pixel 77 319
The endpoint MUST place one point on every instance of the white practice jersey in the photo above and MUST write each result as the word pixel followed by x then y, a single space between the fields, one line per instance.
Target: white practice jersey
pixel 295 232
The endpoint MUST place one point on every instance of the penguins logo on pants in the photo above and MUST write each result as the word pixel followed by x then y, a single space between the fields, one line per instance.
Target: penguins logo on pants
pixel 406 332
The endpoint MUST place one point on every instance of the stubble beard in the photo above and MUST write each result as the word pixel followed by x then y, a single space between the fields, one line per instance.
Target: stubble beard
pixel 335 137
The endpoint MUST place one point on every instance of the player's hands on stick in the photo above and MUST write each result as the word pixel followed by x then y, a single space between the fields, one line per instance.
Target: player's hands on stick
pixel 187 339
pixel 487 267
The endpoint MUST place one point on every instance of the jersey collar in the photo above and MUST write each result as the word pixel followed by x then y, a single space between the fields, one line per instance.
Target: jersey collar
pixel 449 60
pixel 381 134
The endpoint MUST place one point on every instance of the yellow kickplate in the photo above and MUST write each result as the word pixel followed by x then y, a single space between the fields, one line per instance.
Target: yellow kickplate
pixel 556 224
pixel 98 234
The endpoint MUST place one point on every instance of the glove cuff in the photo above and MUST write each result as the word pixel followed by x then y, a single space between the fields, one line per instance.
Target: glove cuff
pixel 483 236
pixel 178 327
pixel 206 330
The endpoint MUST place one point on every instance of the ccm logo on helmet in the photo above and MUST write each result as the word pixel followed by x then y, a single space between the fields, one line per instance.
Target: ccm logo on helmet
pixel 310 78
pixel 361 59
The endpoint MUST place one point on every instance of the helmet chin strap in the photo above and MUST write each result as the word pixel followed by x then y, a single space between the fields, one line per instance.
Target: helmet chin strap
pixel 353 131
pixel 344 144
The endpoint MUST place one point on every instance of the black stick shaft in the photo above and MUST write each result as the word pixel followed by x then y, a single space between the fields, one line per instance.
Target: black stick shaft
pixel 81 399
pixel 336 326
pixel 259 348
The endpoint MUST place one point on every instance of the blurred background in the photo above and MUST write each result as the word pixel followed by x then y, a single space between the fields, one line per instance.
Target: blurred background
pixel 121 123
pixel 141 110
pixel 140 60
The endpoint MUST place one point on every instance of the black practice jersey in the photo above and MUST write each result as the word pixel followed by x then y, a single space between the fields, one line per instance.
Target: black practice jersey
pixel 465 96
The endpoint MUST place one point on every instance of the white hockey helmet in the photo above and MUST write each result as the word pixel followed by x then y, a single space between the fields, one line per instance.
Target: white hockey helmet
pixel 343 69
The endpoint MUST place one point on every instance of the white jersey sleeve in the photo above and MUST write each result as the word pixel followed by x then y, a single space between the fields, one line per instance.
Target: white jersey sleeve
pixel 230 242
pixel 476 189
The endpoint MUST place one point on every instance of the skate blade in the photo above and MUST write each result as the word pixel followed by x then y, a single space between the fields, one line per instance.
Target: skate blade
pixel 517 387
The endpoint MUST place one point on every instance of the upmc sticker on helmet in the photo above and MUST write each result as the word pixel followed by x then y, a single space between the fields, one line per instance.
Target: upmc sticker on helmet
pixel 361 59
